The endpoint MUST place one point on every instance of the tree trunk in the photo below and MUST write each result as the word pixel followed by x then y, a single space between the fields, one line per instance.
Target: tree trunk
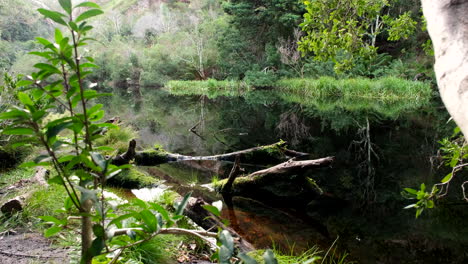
pixel 86 233
pixel 447 23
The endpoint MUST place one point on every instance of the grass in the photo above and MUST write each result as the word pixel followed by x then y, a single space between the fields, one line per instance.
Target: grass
pixel 312 256
pixel 385 89
pixel 117 139
pixel 211 88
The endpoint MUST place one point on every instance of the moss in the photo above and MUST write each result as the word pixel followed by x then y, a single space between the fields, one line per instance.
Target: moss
pixel 151 157
pixel 117 139
pixel 132 179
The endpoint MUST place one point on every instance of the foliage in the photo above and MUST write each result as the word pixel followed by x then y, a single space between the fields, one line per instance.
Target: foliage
pixel 70 142
pixel 255 28
pixel 345 33
pixel 455 155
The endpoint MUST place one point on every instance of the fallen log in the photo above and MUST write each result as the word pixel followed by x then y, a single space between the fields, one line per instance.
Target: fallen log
pixel 195 211
pixel 282 183
pixel 292 166
pixel 17 203
pixel 268 154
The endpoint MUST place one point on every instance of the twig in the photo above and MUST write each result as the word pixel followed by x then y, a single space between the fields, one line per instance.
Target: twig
pixel 26 256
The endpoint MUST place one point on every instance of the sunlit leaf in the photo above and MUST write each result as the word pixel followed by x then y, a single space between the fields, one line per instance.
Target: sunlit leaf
pixel 88 4
pixel 66 5
pixel 88 14
pixel 52 231
pixel 55 16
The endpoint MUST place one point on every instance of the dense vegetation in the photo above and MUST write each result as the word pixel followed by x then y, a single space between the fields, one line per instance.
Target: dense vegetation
pixel 278 69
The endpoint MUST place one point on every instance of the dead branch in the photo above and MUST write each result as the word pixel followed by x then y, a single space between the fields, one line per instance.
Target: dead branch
pixel 291 166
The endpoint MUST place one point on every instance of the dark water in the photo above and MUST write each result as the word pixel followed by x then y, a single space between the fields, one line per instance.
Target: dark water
pixel 380 148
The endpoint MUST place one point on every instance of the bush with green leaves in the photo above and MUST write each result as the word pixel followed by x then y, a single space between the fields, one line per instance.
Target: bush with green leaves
pixel 455 156
pixel 59 85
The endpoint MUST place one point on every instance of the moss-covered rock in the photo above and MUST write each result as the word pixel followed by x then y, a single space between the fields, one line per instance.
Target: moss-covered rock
pixel 132 179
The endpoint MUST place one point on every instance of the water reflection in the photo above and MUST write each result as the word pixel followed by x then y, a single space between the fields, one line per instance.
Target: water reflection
pixel 400 136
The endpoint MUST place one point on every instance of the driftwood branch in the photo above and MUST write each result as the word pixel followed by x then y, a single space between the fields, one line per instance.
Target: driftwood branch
pixel 17 203
pixel 271 153
pixel 292 166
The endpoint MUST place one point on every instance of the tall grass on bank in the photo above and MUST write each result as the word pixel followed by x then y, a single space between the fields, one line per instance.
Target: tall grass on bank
pixel 211 88
pixel 385 89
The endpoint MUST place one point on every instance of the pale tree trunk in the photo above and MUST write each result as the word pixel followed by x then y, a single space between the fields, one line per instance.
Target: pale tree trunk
pixel 447 23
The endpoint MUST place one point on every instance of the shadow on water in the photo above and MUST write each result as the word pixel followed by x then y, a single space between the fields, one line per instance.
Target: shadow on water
pixel 380 148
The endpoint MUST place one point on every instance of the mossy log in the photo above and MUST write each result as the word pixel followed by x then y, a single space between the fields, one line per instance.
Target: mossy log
pixel 281 183
pixel 17 203
pixel 268 154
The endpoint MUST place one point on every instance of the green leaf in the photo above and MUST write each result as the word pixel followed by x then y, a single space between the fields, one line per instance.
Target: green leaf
pixel 55 16
pixel 150 220
pixel 269 257
pixel 226 240
pixel 412 191
pixel 246 259
pixel 98 230
pixel 44 41
pixel 88 65
pixel 181 206
pixel 14 114
pixel 24 83
pixel 88 4
pixel 51 219
pixel 446 178
pixel 212 209
pixel 87 194
pixel 99 160
pixel 18 131
pixel 47 67
pixel 96 247
pixel 42 158
pixel 112 174
pixel 430 204
pixel 24 99
pixel 160 210
pixel 58 35
pixel 96 116
pixel 52 231
pixel 224 255
pixel 423 187
pixel 118 220
pixel 160 220
pixel 56 128
pixel 88 14
pixel 66 5
pixel 419 211
pixel 73 26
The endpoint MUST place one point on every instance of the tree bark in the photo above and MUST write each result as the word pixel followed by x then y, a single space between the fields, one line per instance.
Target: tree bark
pixel 447 23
